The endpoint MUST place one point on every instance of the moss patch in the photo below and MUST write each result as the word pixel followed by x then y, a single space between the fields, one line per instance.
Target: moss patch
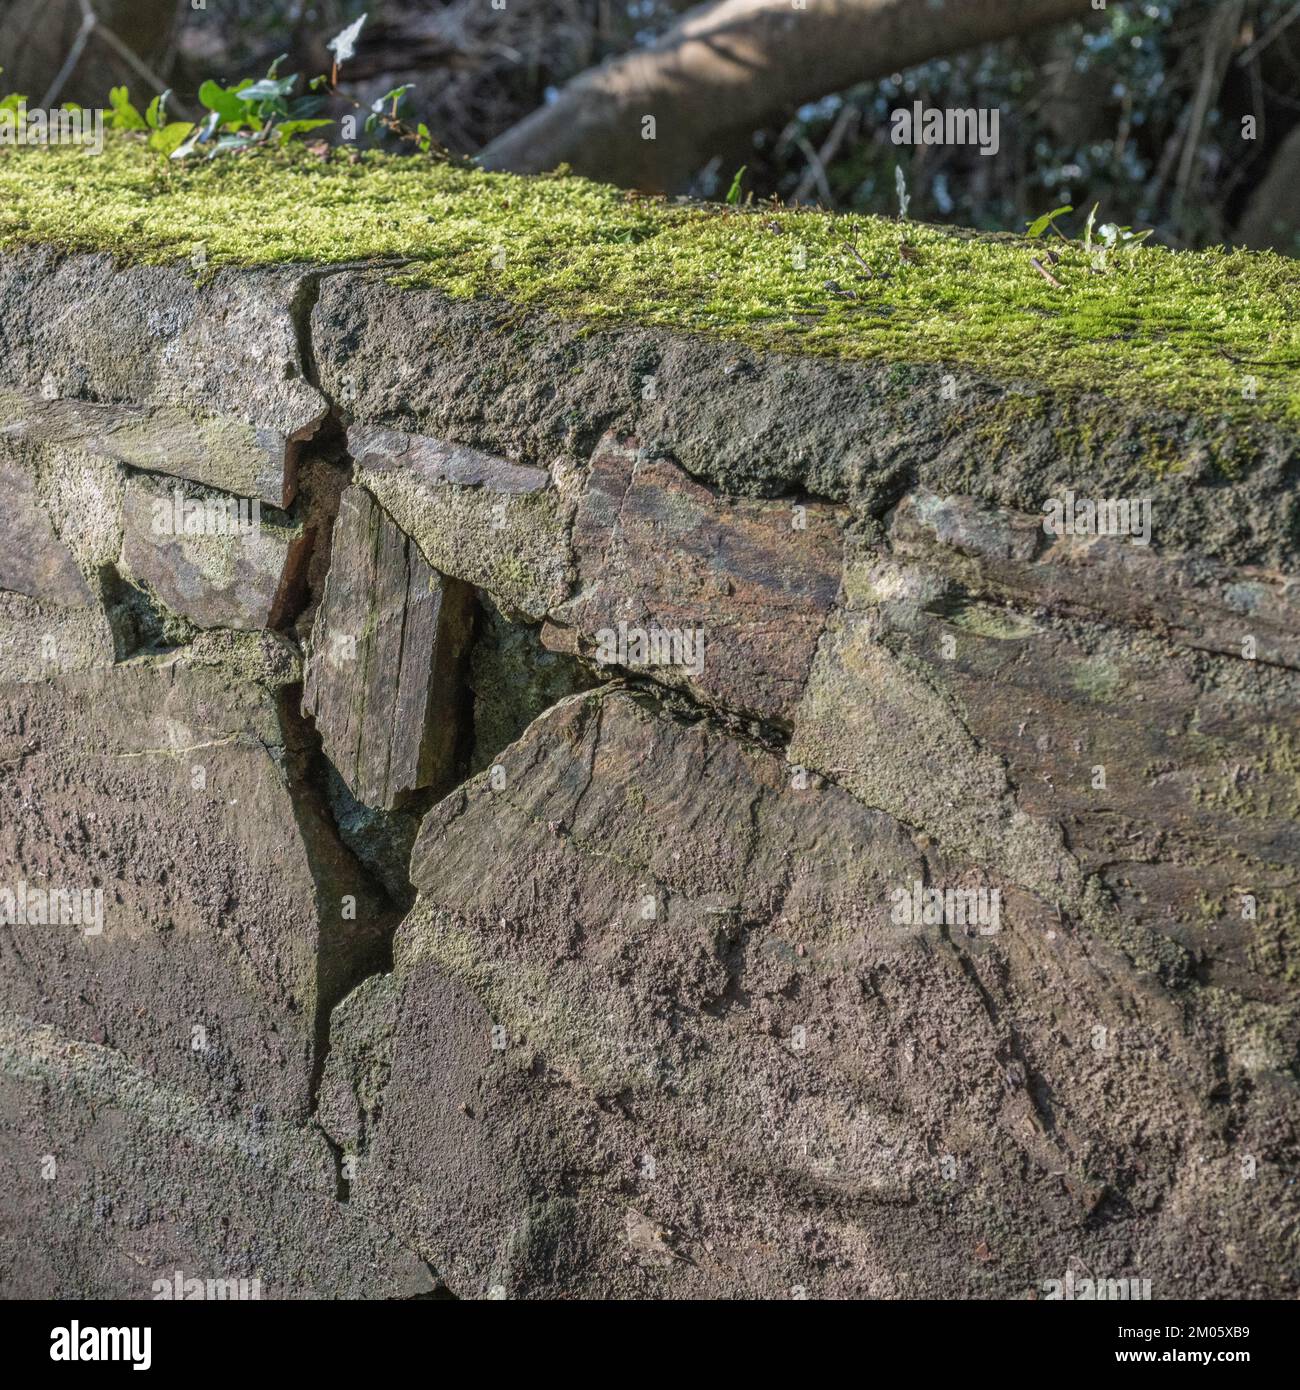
pixel 1185 330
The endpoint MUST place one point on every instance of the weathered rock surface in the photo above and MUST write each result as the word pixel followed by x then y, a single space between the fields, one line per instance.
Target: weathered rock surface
pixel 751 582
pixel 117 1184
pixel 501 527
pixel 228 917
pixel 233 569
pixel 652 1031
pixel 630 562
pixel 195 365
pixel 671 1015
pixel 529 387
pixel 222 453
pixel 34 561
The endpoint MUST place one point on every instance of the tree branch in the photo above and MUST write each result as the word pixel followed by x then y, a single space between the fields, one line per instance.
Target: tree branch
pixel 737 65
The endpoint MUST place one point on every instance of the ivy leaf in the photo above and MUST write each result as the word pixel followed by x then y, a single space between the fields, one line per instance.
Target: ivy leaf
pixel 269 89
pixel 122 115
pixel 155 114
pixel 170 137
pixel 1040 224
pixel 304 107
pixel 225 102
pixel 289 129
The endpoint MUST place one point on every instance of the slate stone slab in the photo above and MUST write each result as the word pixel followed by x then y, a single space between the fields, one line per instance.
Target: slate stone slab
pixel 383 677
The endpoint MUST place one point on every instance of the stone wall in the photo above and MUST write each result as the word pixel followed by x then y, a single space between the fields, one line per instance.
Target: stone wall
pixel 584 839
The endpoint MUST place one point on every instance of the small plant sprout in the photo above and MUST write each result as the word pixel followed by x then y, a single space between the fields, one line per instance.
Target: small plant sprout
pixel 1116 238
pixel 733 193
pixel 262 112
pixel 900 187
pixel 1039 225
pixel 1112 238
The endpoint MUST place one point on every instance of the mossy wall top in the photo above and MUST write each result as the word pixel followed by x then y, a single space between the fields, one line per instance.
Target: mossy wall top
pixel 1214 332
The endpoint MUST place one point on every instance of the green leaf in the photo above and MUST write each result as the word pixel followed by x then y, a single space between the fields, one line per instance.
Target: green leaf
pixel 1088 226
pixel 291 128
pixel 225 101
pixel 167 140
pixel 269 89
pixel 302 108
pixel 1040 224
pixel 733 193
pixel 122 115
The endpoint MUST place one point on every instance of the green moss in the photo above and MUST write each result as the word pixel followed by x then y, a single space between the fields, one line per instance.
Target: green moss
pixel 1164 328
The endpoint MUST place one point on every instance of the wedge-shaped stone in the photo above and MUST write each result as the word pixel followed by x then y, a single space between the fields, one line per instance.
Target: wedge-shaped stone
pixel 387 648
pixel 215 559
pixel 498 525
pixel 435 461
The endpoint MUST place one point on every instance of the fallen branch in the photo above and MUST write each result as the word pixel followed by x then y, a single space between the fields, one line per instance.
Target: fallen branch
pixel 726 69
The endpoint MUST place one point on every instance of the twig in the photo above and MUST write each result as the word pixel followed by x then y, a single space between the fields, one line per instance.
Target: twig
pixel 88 22
pixel 827 152
pixel 815 167
pixel 92 24
pixel 1218 53
pixel 130 57
pixel 1261 44
pixel 1045 273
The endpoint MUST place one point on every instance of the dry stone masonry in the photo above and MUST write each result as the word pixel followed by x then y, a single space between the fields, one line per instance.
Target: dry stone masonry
pixel 470 827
